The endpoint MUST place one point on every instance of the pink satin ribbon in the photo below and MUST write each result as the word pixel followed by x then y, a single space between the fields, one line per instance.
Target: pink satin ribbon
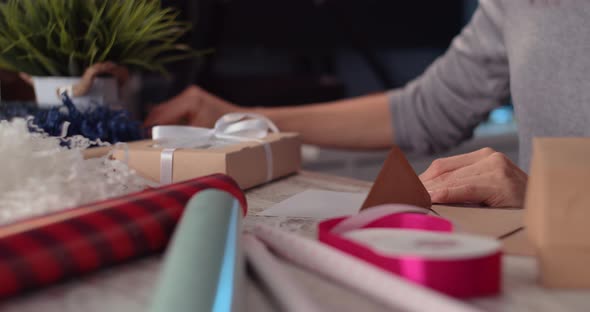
pixel 462 278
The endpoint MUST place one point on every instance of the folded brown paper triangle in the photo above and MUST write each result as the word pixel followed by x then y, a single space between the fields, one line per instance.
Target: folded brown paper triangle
pixel 397 183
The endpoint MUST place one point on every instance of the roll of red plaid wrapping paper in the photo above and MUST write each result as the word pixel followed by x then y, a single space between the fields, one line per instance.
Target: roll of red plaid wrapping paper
pixel 48 249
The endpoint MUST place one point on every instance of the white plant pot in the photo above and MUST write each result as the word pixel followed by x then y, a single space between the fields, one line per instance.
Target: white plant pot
pixel 104 91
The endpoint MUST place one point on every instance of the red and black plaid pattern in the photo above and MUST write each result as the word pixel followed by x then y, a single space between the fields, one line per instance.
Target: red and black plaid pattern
pixel 119 230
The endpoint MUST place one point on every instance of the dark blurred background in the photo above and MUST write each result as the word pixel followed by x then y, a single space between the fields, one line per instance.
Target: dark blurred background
pixel 287 52
pixel 301 51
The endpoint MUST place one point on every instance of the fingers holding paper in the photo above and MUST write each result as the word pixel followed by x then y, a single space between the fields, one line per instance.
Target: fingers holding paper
pixel 481 177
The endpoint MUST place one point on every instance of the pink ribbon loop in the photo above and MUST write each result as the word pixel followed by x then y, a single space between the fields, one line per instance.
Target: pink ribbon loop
pixel 472 272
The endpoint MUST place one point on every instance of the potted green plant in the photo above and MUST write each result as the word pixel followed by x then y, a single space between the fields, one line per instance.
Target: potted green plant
pixel 70 44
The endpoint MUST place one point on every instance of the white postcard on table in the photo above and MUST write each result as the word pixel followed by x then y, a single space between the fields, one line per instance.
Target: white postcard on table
pixel 317 204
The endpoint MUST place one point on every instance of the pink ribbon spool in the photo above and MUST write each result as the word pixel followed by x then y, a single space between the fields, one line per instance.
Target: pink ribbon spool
pixel 473 271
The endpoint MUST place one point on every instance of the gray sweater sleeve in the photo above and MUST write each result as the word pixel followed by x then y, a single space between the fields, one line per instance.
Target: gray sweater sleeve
pixel 442 107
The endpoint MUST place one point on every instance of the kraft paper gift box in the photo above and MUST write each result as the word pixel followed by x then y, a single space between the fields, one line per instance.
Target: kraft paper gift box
pixel 244 161
pixel 557 214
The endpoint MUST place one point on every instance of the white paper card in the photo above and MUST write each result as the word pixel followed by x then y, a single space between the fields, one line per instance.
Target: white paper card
pixel 318 204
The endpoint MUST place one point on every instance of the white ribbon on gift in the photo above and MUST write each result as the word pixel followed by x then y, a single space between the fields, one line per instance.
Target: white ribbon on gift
pixel 240 127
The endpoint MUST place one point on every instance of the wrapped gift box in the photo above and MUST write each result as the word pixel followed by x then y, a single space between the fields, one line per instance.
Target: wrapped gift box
pixel 558 209
pixel 244 161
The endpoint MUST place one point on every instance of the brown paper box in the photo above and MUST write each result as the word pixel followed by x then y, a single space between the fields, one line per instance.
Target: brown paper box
pixel 558 210
pixel 243 161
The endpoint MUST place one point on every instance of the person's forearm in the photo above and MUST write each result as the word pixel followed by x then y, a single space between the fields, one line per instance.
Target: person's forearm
pixel 358 123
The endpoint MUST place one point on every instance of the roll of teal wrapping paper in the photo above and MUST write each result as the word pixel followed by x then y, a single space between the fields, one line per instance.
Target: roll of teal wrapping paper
pixel 203 267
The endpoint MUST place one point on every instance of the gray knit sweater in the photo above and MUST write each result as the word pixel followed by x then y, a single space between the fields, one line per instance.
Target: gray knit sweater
pixel 535 51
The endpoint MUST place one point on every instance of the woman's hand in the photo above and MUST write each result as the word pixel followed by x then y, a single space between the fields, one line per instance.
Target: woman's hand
pixel 481 177
pixel 194 106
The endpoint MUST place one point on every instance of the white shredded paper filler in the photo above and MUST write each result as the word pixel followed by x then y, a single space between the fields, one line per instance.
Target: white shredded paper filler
pixel 38 175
